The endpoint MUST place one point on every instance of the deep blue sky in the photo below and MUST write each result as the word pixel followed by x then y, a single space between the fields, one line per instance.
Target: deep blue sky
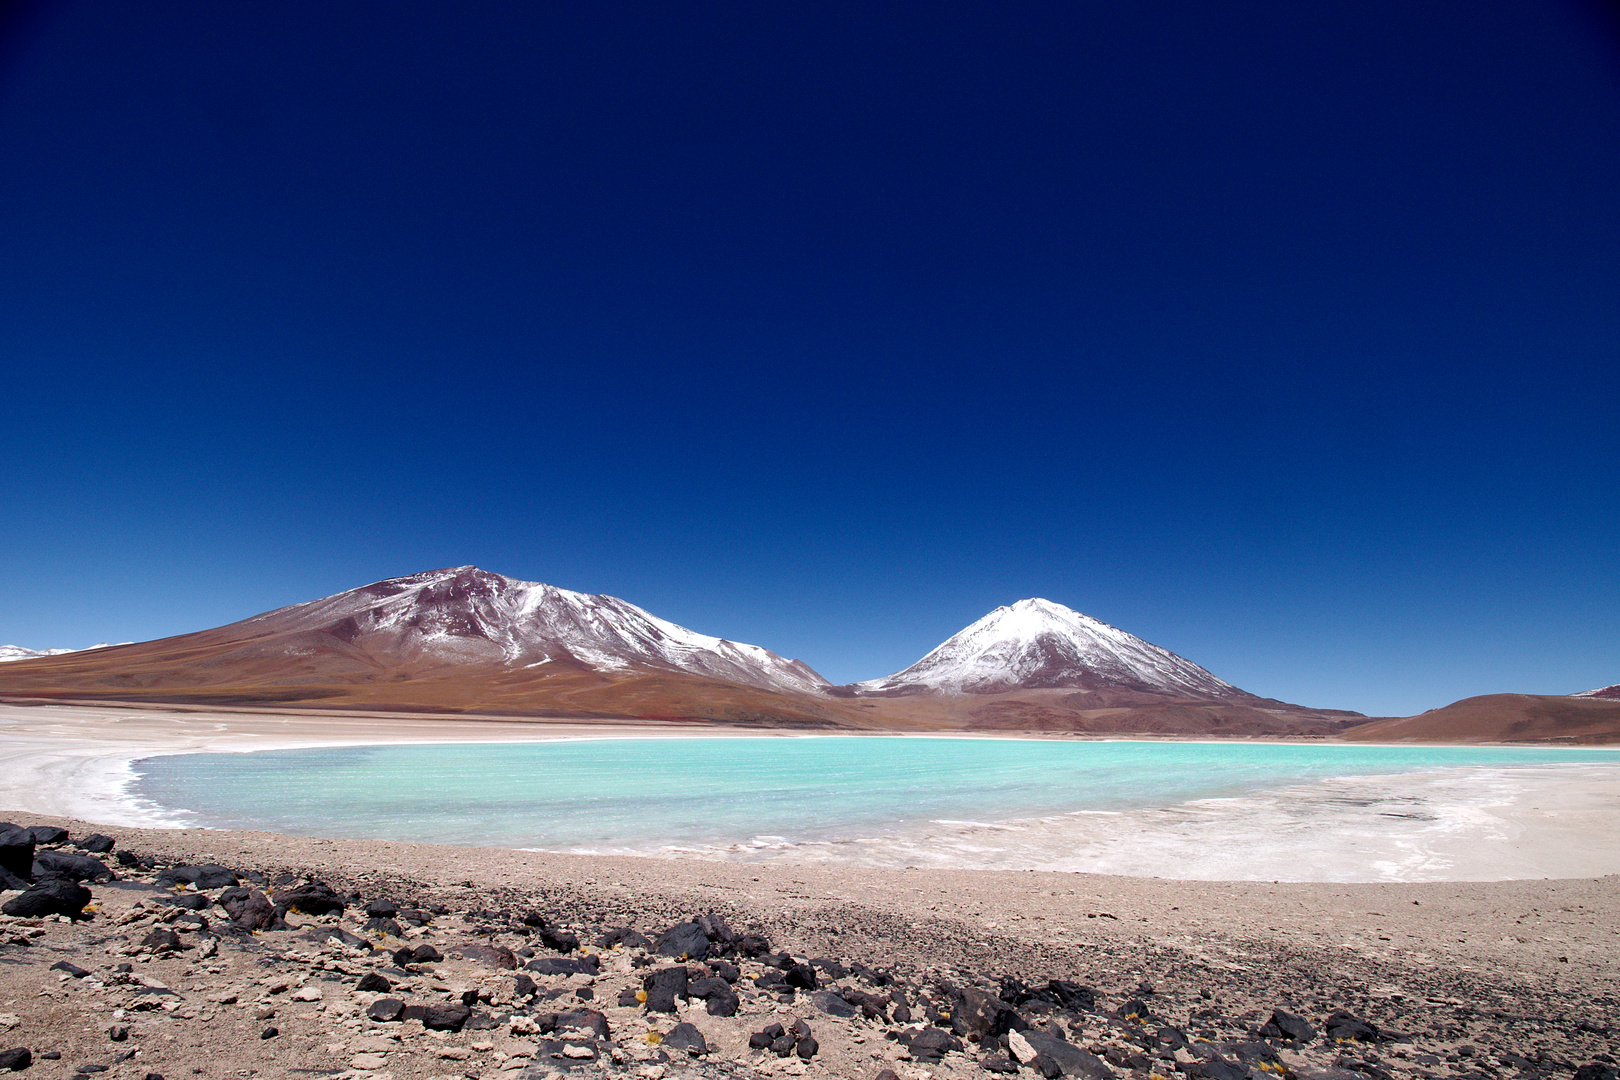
pixel 1284 335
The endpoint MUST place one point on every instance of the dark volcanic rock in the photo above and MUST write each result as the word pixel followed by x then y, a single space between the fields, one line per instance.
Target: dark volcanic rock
pixel 558 940
pixel 53 896
pixel 623 935
pixel 16 1059
pixel 833 1004
pixel 564 965
pixel 684 1036
pixel 426 954
pixel 1218 1068
pixel 1070 1059
pixel 384 926
pixel 250 909
pixel 1344 1025
pixel 382 909
pixel 373 983
pixel 663 987
pixel 386 1010
pixel 314 898
pixel 497 956
pixel 762 1039
pixel 684 941
pixel 208 876
pixel 801 977
pixel 576 1020
pixel 68 865
pixel 438 1015
pixel 163 939
pixel 96 843
pixel 930 1043
pixel 48 834
pixel 987 1016
pixel 1285 1025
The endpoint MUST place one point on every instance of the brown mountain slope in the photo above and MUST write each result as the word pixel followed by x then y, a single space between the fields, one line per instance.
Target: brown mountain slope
pixel 194 670
pixel 1502 718
pixel 464 641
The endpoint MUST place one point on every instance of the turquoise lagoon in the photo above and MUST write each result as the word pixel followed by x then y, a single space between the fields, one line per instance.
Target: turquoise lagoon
pixel 1178 809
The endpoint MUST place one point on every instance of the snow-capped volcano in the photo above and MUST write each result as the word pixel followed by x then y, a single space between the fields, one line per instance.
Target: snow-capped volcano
pixel 466 614
pixel 1036 644
pixel 17 652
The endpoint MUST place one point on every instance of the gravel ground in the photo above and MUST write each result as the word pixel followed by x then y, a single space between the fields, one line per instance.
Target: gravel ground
pixel 1474 981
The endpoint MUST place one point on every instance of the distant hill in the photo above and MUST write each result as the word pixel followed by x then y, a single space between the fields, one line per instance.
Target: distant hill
pixel 1503 718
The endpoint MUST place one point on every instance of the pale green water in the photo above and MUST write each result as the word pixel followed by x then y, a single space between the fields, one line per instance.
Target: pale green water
pixel 889 801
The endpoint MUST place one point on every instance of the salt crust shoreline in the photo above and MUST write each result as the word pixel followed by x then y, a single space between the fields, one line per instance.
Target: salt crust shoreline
pixel 75 762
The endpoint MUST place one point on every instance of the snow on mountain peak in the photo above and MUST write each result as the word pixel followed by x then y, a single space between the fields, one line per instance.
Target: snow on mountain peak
pixel 1037 643
pixel 1601 692
pixel 9 653
pixel 464 613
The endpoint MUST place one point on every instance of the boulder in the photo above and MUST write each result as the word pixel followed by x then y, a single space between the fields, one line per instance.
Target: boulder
pixel 426 954
pixel 1285 1025
pixel 1216 1067
pixel 1344 1025
pixel 386 1010
pixel 751 945
pixel 1031 1043
pixel 987 1016
pixel 716 994
pixel 715 929
pixel 53 896
pixel 48 834
pixel 438 1015
pixel 68 865
pixel 191 901
pixel 764 1038
pixel 163 940
pixel 833 1004
pixel 208 876
pixel 382 909
pixel 623 935
pixel 386 926
pixel 95 843
pixel 929 1043
pixel 801 977
pixel 17 852
pixel 373 983
pixel 684 941
pixel 314 898
pixel 663 987
pixel 250 909
pixel 558 940
pixel 684 1036
pixel 564 965
pixel 1070 995
pixel 496 956
pixel 16 1059
pixel 576 1020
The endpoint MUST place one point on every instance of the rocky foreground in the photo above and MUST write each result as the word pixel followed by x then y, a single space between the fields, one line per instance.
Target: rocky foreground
pixel 143 954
